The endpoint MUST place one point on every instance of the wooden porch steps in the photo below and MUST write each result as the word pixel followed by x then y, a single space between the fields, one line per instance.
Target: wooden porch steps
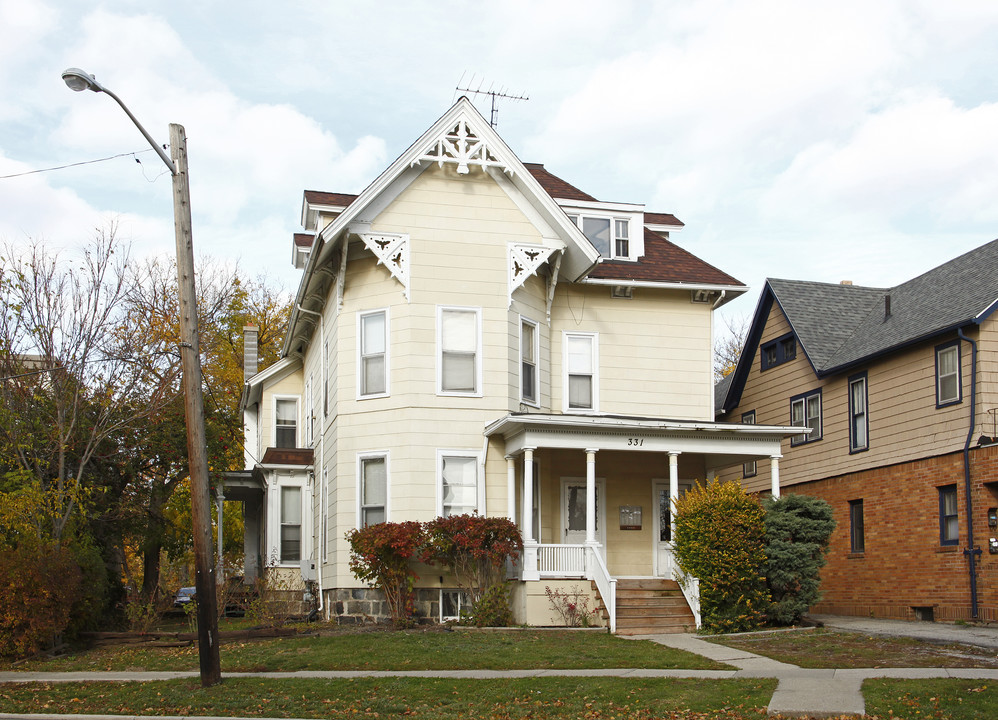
pixel 647 606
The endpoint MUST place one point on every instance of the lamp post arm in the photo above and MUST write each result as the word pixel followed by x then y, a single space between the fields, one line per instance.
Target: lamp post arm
pixel 155 146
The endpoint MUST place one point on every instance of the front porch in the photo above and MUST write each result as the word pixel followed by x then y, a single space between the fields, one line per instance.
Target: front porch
pixel 593 495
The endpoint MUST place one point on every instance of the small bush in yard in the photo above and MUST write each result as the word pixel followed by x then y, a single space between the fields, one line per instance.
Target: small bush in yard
pixel 719 539
pixel 798 530
pixel 573 607
pixel 380 555
pixel 475 549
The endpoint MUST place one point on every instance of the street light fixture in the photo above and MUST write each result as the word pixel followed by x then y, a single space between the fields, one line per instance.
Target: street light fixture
pixel 190 356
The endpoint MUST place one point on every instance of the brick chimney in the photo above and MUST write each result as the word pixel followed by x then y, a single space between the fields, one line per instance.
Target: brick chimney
pixel 251 334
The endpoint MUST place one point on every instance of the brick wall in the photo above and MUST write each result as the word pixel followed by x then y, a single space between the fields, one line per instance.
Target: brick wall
pixel 904 566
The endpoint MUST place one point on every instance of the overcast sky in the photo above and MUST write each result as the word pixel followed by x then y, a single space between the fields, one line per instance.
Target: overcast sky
pixel 810 140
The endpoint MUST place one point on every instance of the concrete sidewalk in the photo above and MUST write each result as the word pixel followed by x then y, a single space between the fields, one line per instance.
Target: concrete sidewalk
pixel 819 693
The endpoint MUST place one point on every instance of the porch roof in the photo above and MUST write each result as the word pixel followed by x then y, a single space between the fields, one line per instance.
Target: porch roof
pixel 727 443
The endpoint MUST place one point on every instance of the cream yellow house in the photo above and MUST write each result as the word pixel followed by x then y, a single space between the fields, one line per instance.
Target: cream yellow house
pixel 471 334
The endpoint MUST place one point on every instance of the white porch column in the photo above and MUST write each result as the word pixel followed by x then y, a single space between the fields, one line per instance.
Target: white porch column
pixel 530 569
pixel 591 496
pixel 220 502
pixel 774 469
pixel 673 491
pixel 511 487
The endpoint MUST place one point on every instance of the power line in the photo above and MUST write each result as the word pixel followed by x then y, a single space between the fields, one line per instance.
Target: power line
pixel 77 164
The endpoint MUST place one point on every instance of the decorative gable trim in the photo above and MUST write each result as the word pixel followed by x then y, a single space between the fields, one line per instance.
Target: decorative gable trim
pixel 523 262
pixel 462 147
pixel 392 251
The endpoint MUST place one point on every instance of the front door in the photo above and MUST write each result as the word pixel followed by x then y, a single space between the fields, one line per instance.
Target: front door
pixel 664 560
pixel 574 511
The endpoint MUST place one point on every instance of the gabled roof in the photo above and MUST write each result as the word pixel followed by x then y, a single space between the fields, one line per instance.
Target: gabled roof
pixel 840 327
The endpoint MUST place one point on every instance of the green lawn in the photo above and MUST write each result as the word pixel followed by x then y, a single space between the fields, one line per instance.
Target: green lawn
pixel 822 648
pixel 410 650
pixel 421 699
pixel 941 698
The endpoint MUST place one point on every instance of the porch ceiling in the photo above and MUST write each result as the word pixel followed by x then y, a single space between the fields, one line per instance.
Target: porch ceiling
pixel 733 442
pixel 242 485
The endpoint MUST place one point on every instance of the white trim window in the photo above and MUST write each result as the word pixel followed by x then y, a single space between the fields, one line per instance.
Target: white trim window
pixel 529 350
pixel 309 412
pixel 948 389
pixel 581 375
pixel 285 422
pixel 459 351
pixel 609 235
pixel 291 514
pixel 372 353
pixel 859 422
pixel 458 489
pixel 452 604
pixel 372 489
pixel 805 411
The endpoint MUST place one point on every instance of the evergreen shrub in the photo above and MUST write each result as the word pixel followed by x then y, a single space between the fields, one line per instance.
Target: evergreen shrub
pixel 798 530
pixel 719 540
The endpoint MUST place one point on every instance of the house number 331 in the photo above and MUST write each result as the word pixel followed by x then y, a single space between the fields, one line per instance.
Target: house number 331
pixel 635 442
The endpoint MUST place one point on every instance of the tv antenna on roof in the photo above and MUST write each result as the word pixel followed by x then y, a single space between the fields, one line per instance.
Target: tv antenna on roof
pixel 492 91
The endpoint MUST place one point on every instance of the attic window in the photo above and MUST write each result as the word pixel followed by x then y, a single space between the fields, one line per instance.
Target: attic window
pixel 607 234
pixel 779 351
pixel 622 291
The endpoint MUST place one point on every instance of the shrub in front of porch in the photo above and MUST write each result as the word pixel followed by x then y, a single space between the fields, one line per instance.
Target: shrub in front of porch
pixel 475 549
pixel 719 539
pixel 798 530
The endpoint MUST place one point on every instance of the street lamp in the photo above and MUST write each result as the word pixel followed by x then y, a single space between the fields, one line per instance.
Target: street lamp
pixel 190 356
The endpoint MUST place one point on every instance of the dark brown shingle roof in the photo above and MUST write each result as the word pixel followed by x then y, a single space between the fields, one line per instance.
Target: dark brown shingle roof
pixel 663 261
pixel 316 197
pixel 555 186
pixel 287 456
pixel 304 239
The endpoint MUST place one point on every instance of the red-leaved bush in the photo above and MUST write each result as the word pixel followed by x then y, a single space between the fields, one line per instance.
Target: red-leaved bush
pixel 380 556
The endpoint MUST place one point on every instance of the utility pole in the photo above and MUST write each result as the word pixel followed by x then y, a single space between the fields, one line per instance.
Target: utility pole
pixel 197 447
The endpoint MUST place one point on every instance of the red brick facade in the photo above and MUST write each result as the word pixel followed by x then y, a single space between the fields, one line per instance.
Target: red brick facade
pixel 904 565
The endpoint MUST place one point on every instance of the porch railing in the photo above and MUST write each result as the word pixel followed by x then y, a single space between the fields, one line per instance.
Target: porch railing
pixel 561 561
pixel 691 591
pixel 607 586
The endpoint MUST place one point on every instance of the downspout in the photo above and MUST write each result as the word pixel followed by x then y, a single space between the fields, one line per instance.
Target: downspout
pixel 971 552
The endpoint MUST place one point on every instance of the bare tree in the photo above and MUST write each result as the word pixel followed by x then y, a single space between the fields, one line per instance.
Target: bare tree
pixel 729 345
pixel 68 383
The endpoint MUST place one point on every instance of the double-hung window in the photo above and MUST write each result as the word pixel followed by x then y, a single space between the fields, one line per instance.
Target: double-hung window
pixel 458 472
pixel 528 361
pixel 948 386
pixel 581 378
pixel 373 489
pixel 857 541
pixel 459 351
pixel 949 526
pixel 859 421
pixel 285 423
pixel 372 353
pixel 805 411
pixel 749 469
pixel 290 524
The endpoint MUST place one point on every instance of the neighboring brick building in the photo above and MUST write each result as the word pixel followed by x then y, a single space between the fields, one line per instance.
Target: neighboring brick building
pixel 898 386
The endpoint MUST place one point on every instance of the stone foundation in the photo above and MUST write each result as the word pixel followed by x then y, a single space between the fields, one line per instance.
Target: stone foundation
pixel 357 606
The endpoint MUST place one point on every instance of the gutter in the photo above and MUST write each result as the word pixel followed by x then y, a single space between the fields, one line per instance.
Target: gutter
pixel 971 552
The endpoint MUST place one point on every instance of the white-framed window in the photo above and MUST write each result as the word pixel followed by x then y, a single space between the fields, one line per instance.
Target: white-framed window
pixel 805 411
pixel 325 378
pixel 372 488
pixel 581 375
pixel 948 389
pixel 309 412
pixel 291 499
pixel 459 480
pixel 611 236
pixel 452 604
pixel 372 353
pixel 459 351
pixel 529 350
pixel 285 422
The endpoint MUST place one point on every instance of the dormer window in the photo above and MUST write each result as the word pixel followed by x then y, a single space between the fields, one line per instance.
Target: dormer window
pixel 610 236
